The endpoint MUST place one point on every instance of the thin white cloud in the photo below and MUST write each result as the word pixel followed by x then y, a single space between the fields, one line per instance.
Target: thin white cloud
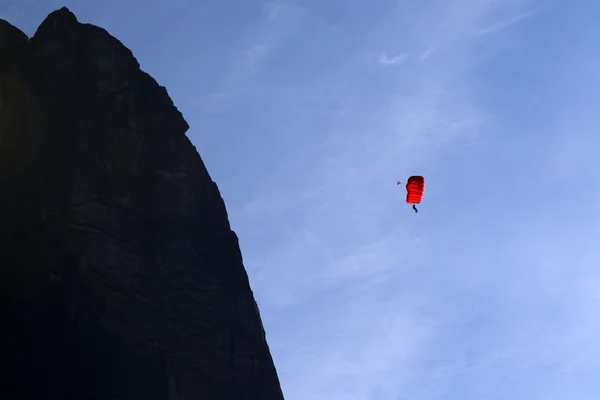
pixel 387 343
pixel 396 60
pixel 504 24
pixel 255 52
pixel 252 57
pixel 425 54
pixel 278 10
pixel 277 21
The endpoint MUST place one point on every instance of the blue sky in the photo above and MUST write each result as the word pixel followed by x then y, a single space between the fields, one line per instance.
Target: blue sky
pixel 307 112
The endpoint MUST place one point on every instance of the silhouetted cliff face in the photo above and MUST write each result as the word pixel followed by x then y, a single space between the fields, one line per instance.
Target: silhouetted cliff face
pixel 121 278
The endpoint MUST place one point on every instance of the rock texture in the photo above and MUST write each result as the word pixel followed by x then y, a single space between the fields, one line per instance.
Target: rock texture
pixel 121 278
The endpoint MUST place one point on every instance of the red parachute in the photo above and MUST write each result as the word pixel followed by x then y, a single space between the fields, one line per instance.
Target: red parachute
pixel 415 187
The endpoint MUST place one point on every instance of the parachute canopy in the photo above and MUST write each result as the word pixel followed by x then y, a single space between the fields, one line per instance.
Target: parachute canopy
pixel 415 187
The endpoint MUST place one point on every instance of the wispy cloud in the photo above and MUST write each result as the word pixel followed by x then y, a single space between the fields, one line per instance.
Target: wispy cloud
pixel 278 10
pixel 251 57
pixel 425 54
pixel 396 60
pixel 386 342
pixel 506 23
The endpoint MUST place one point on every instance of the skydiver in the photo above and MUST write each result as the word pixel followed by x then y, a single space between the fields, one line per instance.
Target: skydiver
pixel 415 208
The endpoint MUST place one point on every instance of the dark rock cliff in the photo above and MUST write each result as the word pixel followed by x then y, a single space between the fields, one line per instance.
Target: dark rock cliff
pixel 121 278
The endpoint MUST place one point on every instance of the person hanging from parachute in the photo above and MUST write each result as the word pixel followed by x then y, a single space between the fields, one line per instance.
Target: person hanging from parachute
pixel 415 187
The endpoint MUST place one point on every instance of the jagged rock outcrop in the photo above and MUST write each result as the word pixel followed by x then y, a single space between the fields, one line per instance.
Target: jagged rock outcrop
pixel 121 278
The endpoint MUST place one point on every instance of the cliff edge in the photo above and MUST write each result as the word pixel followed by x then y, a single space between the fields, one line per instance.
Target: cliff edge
pixel 121 277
